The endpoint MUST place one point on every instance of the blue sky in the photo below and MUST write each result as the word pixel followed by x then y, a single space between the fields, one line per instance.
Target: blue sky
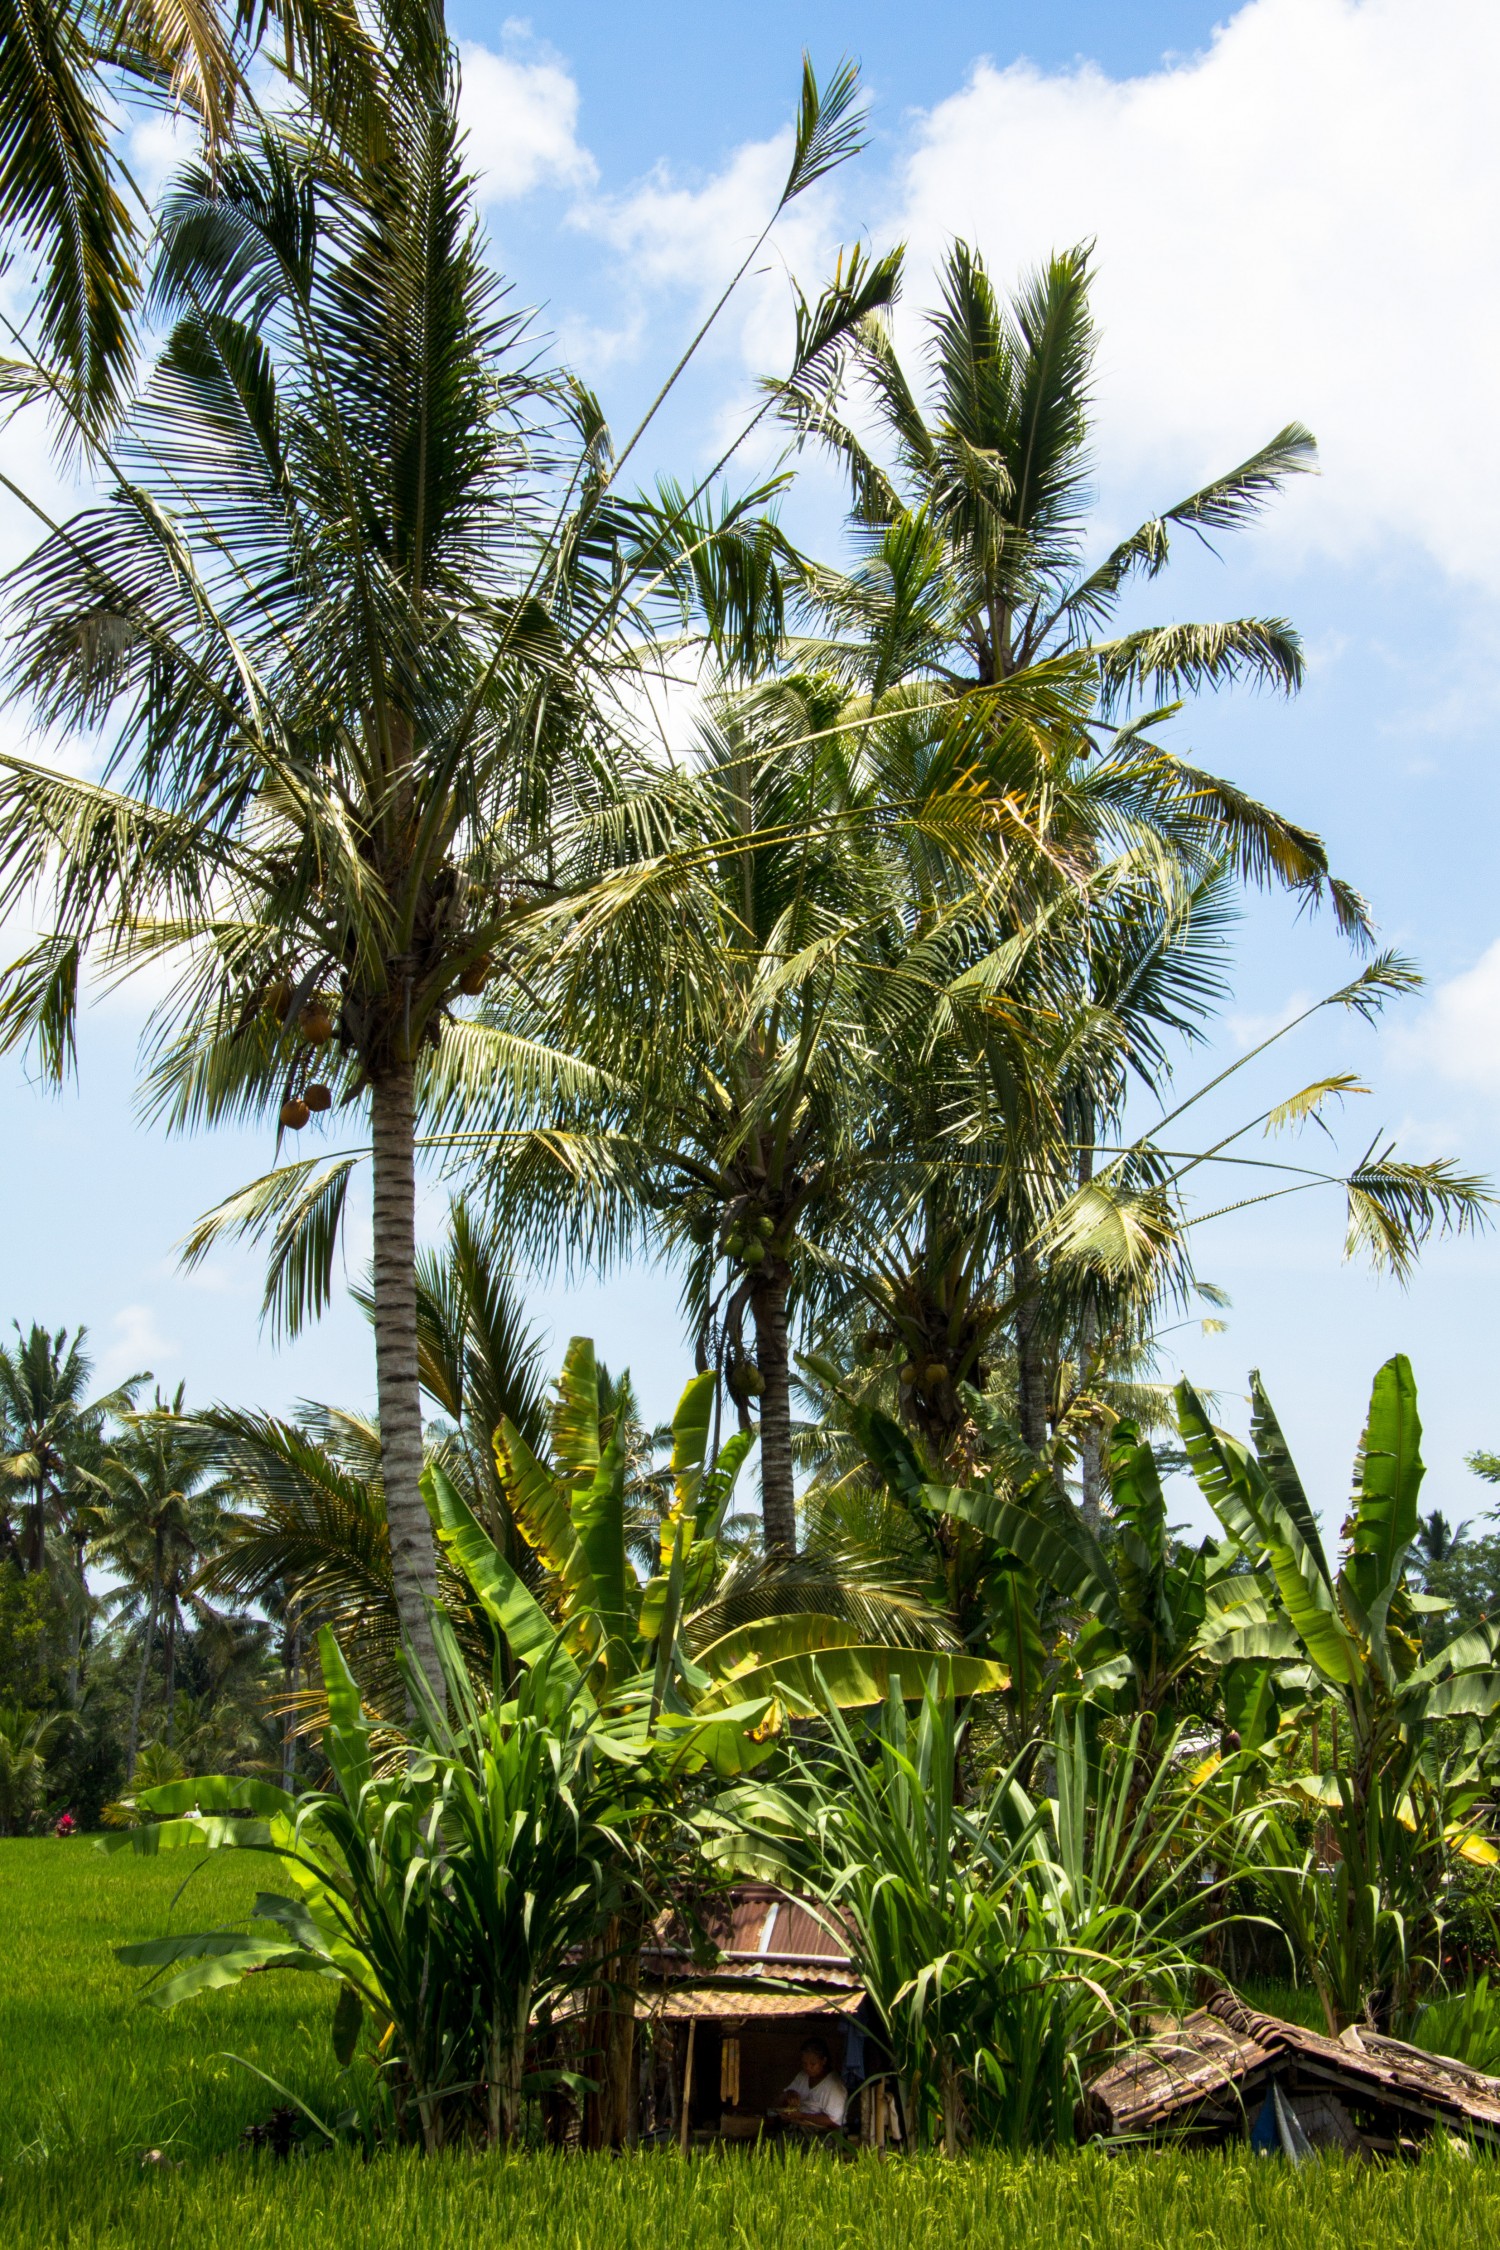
pixel 1294 207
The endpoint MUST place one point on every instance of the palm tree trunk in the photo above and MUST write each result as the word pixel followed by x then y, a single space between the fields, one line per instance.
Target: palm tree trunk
pixel 80 1626
pixel 170 1683
pixel 778 1500
pixel 133 1740
pixel 292 1660
pixel 1033 1376
pixel 397 1377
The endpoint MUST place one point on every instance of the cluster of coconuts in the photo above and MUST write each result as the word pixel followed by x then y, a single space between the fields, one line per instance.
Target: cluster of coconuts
pixel 747 1239
pixel 315 1029
pixel 916 1375
pixel 745 1381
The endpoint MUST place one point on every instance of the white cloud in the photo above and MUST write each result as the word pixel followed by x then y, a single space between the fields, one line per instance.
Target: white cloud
pixel 687 241
pixel 1457 1037
pixel 136 1345
pixel 1301 222
pixel 522 121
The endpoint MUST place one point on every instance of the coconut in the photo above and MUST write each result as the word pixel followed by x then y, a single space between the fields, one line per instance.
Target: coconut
pixel 755 1253
pixel 734 1245
pixel 937 1373
pixel 294 1113
pixel 315 1023
pixel 909 1372
pixel 278 998
pixel 476 976
pixel 318 1097
pixel 765 1227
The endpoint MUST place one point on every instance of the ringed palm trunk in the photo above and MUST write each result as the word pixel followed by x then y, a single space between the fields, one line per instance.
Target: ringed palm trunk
pixel 778 1501
pixel 133 1740
pixel 397 1377
pixel 1033 1375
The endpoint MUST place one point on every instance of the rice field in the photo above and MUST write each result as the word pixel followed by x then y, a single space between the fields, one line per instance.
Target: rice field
pixel 91 2083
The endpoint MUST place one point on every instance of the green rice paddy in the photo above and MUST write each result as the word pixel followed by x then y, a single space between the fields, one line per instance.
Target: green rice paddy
pixel 91 2082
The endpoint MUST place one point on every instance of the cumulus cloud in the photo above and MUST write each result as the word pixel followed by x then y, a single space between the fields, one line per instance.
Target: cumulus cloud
pixel 1457 1037
pixel 1299 222
pixel 681 241
pixel 521 115
pixel 136 1346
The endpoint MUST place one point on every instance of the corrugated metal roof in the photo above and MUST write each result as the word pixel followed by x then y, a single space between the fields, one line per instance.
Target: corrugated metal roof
pixel 753 1924
pixel 759 1932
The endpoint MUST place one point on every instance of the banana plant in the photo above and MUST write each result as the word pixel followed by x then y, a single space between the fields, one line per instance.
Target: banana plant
pixel 1152 1616
pixel 1400 1807
pixel 676 1642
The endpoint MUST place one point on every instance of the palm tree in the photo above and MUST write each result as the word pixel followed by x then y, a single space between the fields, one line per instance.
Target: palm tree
pixel 973 574
pixel 26 1740
pixel 54 1437
pixel 347 610
pixel 160 1517
pixel 722 986
pixel 67 200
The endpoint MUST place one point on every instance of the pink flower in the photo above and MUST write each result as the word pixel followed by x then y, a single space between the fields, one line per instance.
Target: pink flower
pixel 65 1825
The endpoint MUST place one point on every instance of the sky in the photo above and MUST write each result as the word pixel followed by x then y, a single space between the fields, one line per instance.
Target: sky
pixel 1293 206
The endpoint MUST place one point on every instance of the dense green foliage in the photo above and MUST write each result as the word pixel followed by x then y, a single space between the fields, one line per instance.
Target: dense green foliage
pixel 90 2080
pixel 845 1008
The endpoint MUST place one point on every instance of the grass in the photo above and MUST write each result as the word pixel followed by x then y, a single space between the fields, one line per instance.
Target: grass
pixel 90 2080
pixel 87 2074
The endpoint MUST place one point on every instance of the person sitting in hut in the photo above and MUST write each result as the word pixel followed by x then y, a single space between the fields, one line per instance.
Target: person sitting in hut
pixel 816 2099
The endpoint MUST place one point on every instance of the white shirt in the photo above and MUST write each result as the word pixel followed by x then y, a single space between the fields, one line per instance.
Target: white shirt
pixel 827 2097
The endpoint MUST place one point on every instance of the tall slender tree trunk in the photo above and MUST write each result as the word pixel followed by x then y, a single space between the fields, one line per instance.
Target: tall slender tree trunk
pixel 292 1660
pixel 1091 1445
pixel 397 1377
pixel 80 1625
pixel 170 1683
pixel 778 1498
pixel 1033 1374
pixel 133 1740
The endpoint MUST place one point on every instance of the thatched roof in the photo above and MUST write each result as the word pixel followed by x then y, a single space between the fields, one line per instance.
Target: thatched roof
pixel 1210 2072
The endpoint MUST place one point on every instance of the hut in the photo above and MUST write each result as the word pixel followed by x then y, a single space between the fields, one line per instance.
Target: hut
pixel 727 2020
pixel 1230 2072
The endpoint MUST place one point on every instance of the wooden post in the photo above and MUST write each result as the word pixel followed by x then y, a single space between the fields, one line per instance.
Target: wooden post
pixel 684 2125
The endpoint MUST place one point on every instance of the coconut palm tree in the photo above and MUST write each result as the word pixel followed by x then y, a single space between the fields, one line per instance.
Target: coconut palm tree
pixel 54 1434
pixel 347 610
pixel 722 983
pixel 68 204
pixel 973 529
pixel 54 1438
pixel 159 1518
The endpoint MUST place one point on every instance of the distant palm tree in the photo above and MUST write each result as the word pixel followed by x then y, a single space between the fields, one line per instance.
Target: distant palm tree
pixel 1437 1540
pixel 159 1518
pixel 971 505
pixel 25 1740
pixel 53 1435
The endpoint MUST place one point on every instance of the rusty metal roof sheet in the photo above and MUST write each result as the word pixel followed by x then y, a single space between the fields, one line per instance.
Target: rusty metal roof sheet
pixel 754 1927
pixel 776 1955
pixel 1209 2064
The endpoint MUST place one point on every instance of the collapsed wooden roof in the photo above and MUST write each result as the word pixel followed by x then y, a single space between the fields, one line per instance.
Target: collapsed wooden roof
pixel 774 1955
pixel 1210 2072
